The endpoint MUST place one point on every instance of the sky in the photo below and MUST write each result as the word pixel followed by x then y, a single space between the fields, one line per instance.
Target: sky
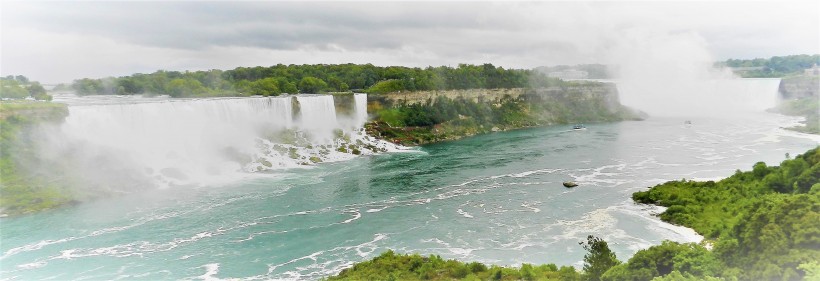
pixel 56 42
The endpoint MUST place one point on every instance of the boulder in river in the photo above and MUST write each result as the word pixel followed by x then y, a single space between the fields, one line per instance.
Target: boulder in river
pixel 570 184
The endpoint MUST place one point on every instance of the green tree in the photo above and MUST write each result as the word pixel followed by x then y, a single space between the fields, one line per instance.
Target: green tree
pixel 265 87
pixel 311 85
pixel 286 86
pixel 180 88
pixel 599 258
pixel 37 91
pixel 11 89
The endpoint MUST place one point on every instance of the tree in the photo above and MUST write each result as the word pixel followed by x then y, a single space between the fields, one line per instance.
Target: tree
pixel 286 86
pixel 265 87
pixel 180 88
pixel 599 258
pixel 87 86
pixel 10 89
pixel 22 79
pixel 37 91
pixel 311 85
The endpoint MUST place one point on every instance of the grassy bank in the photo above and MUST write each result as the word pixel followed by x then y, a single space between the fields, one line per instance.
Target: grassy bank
pixel 22 192
pixel 805 107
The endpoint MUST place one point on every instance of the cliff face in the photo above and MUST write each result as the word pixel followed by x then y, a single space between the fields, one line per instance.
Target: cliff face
pixel 797 87
pixel 800 96
pixel 605 92
pixel 413 118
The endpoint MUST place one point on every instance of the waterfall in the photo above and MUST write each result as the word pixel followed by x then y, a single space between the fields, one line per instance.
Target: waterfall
pixel 360 108
pixel 693 97
pixel 179 142
pixel 318 115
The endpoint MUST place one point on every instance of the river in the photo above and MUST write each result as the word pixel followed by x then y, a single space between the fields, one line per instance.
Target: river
pixel 495 198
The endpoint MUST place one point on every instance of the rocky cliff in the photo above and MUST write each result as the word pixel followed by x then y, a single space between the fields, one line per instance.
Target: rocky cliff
pixel 413 118
pixel 797 87
pixel 800 96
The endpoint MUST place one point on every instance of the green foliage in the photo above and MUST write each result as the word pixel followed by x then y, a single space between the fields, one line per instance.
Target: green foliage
pixel 20 87
pixel 21 192
pixel 445 118
pixel 392 266
pixel 183 88
pixel 775 66
pixel 807 107
pixel 812 270
pixel 690 259
pixel 764 221
pixel 11 89
pixel 599 258
pixel 313 79
pixel 311 85
pixel 386 86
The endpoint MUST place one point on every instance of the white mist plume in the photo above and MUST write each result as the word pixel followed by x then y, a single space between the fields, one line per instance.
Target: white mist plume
pixel 671 74
pixel 136 141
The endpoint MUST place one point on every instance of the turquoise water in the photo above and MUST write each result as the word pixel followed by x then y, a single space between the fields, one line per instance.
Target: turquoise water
pixel 494 198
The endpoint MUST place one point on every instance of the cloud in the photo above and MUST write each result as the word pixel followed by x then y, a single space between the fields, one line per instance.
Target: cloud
pixel 61 41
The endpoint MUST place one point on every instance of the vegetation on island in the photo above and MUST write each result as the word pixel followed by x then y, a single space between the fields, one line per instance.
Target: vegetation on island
pixel 772 67
pixel 318 78
pixel 19 87
pixel 758 225
pixel 445 118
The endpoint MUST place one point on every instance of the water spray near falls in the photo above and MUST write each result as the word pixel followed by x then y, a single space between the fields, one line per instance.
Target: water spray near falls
pixel 180 142
pixel 694 97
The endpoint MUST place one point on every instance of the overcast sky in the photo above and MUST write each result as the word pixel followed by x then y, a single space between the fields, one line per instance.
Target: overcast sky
pixel 61 41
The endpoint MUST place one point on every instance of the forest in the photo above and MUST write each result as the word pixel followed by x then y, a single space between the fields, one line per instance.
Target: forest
pixel 318 78
pixel 20 87
pixel 758 225
pixel 774 66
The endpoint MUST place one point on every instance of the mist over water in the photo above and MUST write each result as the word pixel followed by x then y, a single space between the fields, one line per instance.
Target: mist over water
pixel 665 73
pixel 179 142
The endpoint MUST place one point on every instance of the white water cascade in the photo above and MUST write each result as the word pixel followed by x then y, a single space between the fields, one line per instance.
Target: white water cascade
pixel 318 116
pixel 181 142
pixel 361 108
pixel 708 97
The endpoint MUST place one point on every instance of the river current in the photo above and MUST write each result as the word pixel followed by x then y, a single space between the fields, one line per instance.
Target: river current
pixel 495 198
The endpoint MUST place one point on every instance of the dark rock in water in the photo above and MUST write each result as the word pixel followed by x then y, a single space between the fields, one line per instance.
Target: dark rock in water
pixel 570 184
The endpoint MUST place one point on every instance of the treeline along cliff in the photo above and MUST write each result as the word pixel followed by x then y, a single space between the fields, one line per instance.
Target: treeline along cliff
pixel 420 117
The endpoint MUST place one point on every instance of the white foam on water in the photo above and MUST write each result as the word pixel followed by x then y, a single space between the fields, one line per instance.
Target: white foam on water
pixel 464 214
pixel 356 216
